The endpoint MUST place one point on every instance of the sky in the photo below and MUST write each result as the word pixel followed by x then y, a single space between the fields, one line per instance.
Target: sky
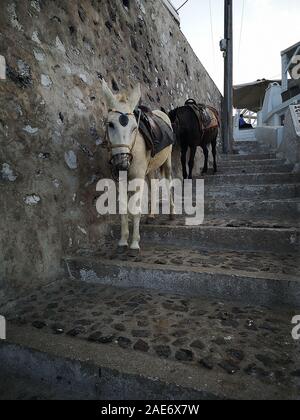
pixel 269 27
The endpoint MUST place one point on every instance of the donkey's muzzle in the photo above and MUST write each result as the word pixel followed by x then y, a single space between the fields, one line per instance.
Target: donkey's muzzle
pixel 120 163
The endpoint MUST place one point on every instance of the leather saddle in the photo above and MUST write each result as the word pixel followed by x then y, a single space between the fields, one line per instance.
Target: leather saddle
pixel 156 132
pixel 207 116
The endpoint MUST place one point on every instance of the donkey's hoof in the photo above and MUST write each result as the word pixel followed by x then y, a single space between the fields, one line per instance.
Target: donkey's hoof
pixel 134 253
pixel 122 249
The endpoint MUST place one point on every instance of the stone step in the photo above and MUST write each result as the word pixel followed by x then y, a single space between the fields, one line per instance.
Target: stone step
pixel 252 179
pixel 267 192
pixel 247 147
pixel 255 210
pixel 262 162
pixel 260 169
pixel 219 235
pixel 252 156
pixel 104 343
pixel 25 388
pixel 250 142
pixel 245 144
pixel 250 278
pixel 75 370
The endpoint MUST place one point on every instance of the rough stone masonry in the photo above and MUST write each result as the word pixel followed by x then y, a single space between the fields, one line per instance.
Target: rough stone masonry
pixel 51 116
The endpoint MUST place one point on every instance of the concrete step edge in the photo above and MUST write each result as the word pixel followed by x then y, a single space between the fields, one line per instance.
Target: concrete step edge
pixel 218 238
pixel 99 372
pixel 186 269
pixel 230 229
pixel 249 288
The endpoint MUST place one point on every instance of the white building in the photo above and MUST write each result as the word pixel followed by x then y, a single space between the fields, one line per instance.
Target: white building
pixel 272 107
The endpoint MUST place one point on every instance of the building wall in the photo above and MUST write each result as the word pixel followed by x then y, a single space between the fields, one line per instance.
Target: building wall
pixel 52 115
pixel 290 147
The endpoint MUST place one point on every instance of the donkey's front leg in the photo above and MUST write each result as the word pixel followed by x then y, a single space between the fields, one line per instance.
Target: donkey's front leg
pixel 135 245
pixel 124 231
pixel 137 214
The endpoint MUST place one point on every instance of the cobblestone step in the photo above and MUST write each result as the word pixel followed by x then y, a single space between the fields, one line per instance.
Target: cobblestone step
pixel 252 209
pixel 219 235
pixel 256 162
pixel 243 147
pixel 15 387
pixel 75 337
pixel 250 156
pixel 258 169
pixel 264 279
pixel 266 192
pixel 252 179
pixel 221 206
pixel 248 147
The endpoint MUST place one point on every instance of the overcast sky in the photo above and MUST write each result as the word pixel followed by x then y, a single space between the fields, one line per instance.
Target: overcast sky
pixel 270 26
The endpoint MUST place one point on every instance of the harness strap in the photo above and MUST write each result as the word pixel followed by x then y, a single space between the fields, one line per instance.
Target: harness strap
pixel 121 146
pixel 119 112
pixel 118 146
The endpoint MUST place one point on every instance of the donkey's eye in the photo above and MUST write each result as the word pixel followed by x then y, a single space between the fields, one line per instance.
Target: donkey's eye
pixel 111 125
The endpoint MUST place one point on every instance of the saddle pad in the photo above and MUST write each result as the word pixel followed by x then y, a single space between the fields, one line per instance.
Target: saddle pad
pixel 214 123
pixel 156 133
pixel 206 115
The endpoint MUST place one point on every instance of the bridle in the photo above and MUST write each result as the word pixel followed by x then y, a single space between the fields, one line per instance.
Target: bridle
pixel 123 117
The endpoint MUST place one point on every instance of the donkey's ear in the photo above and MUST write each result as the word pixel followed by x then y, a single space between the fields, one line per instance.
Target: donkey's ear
pixel 135 97
pixel 108 95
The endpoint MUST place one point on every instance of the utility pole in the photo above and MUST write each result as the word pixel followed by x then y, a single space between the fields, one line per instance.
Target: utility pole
pixel 226 46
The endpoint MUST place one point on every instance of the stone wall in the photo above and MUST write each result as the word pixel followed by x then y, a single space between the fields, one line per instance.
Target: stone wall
pixel 51 116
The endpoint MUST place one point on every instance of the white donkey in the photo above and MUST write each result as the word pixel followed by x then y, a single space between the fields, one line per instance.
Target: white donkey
pixel 129 153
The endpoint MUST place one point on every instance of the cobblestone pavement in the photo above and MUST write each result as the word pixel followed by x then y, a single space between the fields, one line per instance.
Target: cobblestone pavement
pixel 251 262
pixel 238 340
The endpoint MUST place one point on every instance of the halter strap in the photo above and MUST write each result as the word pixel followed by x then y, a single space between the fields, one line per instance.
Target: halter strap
pixel 126 146
pixel 120 112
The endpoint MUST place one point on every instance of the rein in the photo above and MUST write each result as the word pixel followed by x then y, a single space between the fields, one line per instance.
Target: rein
pixel 126 146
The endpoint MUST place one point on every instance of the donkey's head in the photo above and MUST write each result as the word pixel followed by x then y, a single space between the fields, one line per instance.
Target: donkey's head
pixel 121 126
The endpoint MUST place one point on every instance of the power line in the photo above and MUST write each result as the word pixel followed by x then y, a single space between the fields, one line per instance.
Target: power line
pixel 242 27
pixel 212 33
pixel 182 6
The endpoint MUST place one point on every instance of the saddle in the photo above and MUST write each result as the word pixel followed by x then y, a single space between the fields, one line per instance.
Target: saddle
pixel 156 132
pixel 207 116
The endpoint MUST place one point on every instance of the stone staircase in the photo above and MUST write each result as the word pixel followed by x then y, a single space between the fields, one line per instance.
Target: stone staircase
pixel 247 249
pixel 202 313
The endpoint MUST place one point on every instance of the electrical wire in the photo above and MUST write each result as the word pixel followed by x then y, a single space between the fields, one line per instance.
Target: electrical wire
pixel 182 6
pixel 212 33
pixel 242 27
